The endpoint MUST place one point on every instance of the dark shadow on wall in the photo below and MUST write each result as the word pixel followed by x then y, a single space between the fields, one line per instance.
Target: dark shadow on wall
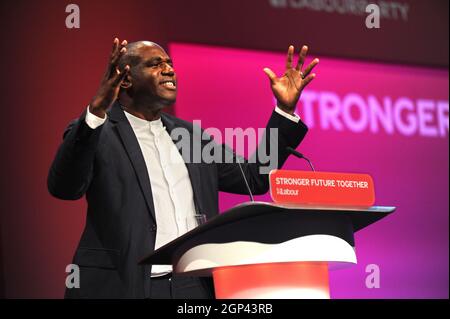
pixel 2 278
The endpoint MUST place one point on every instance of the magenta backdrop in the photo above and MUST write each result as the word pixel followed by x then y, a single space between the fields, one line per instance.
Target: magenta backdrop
pixel 409 163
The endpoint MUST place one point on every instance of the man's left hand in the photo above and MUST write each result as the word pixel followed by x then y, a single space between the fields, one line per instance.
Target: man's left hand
pixel 287 88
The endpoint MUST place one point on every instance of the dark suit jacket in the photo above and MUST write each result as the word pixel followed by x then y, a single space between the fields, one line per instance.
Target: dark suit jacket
pixel 107 165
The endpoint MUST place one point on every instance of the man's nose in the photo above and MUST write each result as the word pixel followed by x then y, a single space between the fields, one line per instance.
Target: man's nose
pixel 167 69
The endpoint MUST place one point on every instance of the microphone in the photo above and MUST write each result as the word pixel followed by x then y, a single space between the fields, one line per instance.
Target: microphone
pixel 300 155
pixel 245 179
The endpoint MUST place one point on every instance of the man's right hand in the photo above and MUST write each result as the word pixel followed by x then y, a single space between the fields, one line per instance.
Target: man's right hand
pixel 110 84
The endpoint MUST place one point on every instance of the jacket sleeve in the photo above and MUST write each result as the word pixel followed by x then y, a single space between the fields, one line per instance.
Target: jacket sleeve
pixel 271 154
pixel 72 168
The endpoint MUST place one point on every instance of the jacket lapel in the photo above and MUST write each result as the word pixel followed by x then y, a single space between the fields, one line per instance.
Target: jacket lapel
pixel 133 149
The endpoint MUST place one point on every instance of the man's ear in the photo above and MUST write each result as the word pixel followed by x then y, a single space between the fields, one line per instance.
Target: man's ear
pixel 126 82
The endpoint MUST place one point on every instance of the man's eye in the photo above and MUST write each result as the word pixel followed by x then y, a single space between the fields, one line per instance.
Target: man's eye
pixel 160 64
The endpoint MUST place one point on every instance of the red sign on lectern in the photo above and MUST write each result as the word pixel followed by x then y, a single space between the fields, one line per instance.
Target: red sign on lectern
pixel 321 188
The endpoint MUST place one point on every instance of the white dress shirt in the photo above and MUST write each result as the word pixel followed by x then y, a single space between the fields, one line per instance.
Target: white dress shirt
pixel 173 197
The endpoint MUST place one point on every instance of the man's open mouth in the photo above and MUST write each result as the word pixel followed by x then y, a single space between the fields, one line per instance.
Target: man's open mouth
pixel 169 84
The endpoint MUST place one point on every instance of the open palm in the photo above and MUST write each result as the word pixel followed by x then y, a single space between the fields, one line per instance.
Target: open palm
pixel 289 86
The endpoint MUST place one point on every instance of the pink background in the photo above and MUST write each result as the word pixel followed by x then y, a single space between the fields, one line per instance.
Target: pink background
pixel 227 88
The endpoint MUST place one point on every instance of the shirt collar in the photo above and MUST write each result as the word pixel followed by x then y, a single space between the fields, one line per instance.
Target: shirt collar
pixel 155 126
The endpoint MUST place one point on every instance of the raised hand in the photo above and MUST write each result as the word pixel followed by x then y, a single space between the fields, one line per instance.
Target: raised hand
pixel 110 84
pixel 287 88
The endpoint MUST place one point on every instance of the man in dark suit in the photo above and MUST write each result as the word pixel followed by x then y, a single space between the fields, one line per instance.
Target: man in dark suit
pixel 140 190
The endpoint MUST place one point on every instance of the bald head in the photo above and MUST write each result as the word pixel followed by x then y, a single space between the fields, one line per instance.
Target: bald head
pixel 139 44
pixel 132 56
